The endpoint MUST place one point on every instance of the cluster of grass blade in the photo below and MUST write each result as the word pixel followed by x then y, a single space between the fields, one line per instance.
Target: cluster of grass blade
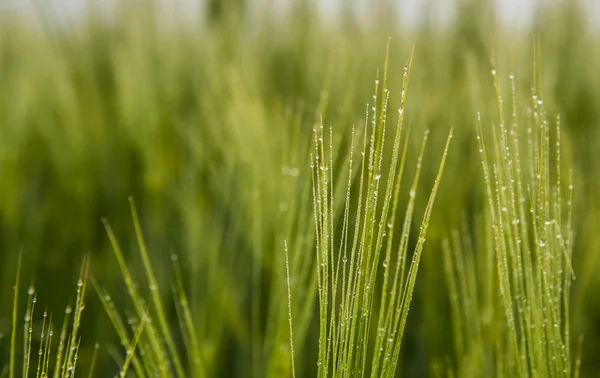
pixel 149 344
pixel 146 335
pixel 510 302
pixel 348 268
pixel 42 355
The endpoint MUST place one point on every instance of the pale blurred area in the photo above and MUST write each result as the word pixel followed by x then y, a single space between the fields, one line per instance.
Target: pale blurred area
pixel 510 13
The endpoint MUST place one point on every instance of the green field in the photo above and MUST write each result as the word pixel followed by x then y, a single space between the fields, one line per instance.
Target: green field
pixel 245 192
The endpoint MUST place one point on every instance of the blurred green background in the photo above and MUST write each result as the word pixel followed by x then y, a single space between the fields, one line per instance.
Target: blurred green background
pixel 206 120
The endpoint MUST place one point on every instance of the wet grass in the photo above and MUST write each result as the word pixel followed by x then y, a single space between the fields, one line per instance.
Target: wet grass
pixel 282 227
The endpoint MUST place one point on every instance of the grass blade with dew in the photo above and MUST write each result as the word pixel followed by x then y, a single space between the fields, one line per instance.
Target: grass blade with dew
pixel 82 282
pixel 289 288
pixel 28 329
pixel 131 352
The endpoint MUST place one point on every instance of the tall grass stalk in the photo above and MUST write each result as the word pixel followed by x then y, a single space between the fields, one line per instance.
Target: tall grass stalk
pixel 289 286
